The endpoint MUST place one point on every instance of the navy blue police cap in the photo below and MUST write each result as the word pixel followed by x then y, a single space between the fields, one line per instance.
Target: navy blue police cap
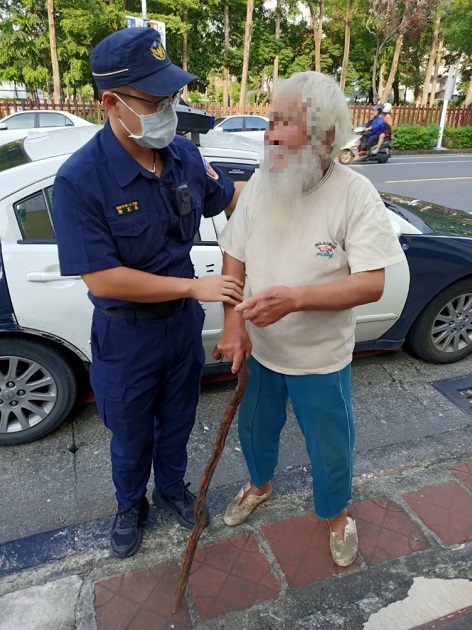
pixel 136 57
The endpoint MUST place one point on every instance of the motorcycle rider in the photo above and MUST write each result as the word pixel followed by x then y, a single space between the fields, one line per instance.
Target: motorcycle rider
pixel 387 133
pixel 373 129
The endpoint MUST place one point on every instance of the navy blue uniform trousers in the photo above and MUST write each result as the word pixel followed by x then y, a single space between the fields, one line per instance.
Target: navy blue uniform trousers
pixel 145 374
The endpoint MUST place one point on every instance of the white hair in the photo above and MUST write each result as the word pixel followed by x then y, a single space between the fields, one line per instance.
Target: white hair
pixel 326 106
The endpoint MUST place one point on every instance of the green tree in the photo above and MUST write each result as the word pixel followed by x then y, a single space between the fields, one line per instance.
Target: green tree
pixel 82 25
pixel 389 20
pixel 24 43
pixel 457 29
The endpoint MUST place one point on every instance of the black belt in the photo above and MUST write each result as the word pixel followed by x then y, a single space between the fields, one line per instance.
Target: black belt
pixel 158 310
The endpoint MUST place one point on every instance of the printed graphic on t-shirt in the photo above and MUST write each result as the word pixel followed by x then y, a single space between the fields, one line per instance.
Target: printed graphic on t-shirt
pixel 325 249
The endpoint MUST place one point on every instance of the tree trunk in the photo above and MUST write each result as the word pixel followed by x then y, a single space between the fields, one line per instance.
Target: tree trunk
pixel 393 69
pixel 277 39
pixel 267 96
pixel 56 77
pixel 383 67
pixel 185 51
pixel 432 96
pixel 225 68
pixel 317 22
pixel 247 49
pixel 375 95
pixel 347 45
pixel 432 57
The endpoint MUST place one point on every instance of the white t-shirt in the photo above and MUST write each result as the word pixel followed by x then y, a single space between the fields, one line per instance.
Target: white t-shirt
pixel 345 230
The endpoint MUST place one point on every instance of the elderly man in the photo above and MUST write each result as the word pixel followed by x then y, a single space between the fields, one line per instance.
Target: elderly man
pixel 313 239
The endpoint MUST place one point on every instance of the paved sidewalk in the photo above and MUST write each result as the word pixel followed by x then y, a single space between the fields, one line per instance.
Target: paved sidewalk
pixel 414 568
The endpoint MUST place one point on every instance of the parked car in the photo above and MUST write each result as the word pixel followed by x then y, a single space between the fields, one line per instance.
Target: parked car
pixel 40 119
pixel 232 140
pixel 45 317
pixel 248 126
pixel 18 125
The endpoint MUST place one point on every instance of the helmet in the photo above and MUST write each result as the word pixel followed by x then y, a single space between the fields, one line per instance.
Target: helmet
pixel 387 108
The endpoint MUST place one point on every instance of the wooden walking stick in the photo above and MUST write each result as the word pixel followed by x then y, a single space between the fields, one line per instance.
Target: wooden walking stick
pixel 213 460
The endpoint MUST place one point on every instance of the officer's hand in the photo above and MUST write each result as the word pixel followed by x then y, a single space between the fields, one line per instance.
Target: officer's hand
pixel 218 289
pixel 268 306
pixel 234 345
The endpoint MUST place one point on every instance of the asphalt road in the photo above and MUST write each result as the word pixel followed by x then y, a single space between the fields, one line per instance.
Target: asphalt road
pixel 445 178
pixel 401 421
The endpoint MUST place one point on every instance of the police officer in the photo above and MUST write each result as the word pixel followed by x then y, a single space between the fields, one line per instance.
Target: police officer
pixel 126 208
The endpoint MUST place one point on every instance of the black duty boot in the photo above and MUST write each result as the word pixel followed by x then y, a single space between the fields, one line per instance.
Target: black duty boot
pixel 127 530
pixel 182 506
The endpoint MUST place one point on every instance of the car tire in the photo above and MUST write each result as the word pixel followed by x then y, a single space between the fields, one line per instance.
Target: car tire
pixel 345 156
pixel 451 309
pixel 38 389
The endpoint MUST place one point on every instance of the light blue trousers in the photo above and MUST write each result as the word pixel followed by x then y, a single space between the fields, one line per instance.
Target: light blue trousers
pixel 322 406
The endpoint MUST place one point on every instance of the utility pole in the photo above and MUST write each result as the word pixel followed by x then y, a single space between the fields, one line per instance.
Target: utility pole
pixel 450 83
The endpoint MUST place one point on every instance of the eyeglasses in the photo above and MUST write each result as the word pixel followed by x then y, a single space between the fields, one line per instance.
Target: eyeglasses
pixel 160 103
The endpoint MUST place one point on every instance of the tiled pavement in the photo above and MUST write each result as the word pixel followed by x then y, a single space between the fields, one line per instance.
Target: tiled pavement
pixel 237 573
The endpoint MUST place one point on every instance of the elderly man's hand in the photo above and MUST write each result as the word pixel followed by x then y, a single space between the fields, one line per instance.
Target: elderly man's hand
pixel 234 345
pixel 268 306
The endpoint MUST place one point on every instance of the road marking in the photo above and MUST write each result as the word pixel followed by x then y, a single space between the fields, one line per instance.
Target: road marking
pixel 427 599
pixel 436 162
pixel 432 157
pixel 394 163
pixel 434 179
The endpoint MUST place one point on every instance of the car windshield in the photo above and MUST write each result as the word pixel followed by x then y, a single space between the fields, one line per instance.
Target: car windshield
pixel 218 120
pixel 440 219
pixel 12 154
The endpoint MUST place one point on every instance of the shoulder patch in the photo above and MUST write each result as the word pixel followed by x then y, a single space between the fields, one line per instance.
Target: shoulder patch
pixel 210 171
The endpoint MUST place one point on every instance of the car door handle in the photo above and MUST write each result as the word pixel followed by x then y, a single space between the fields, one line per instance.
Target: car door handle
pixel 48 276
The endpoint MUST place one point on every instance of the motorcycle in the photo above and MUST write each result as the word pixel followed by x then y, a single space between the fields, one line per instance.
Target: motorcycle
pixel 350 151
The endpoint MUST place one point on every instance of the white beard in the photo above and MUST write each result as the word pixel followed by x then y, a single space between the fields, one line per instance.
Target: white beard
pixel 280 190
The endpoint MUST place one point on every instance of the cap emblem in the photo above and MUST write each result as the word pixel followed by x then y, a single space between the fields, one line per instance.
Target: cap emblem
pixel 158 51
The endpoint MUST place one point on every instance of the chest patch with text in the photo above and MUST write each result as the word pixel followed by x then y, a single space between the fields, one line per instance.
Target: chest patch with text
pixel 127 208
pixel 325 249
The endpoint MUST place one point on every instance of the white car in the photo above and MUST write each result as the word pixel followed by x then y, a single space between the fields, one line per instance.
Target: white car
pixel 45 318
pixel 19 124
pixel 40 119
pixel 249 126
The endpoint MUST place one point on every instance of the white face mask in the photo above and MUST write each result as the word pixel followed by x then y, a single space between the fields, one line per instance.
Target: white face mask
pixel 158 129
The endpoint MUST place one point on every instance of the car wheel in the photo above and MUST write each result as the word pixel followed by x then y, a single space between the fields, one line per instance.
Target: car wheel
pixel 345 156
pixel 38 389
pixel 443 331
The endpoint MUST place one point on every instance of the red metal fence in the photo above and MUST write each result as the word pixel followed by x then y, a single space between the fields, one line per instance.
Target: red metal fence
pixel 402 114
pixel 417 115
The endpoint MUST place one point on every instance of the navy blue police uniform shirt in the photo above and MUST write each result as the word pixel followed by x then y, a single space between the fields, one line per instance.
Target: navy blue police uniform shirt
pixel 109 211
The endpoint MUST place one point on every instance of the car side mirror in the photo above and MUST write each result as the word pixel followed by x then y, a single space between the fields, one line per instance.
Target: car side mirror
pixel 397 228
pixel 3 126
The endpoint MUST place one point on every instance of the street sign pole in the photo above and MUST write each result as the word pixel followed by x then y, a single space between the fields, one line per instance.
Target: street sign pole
pixel 144 12
pixel 447 95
